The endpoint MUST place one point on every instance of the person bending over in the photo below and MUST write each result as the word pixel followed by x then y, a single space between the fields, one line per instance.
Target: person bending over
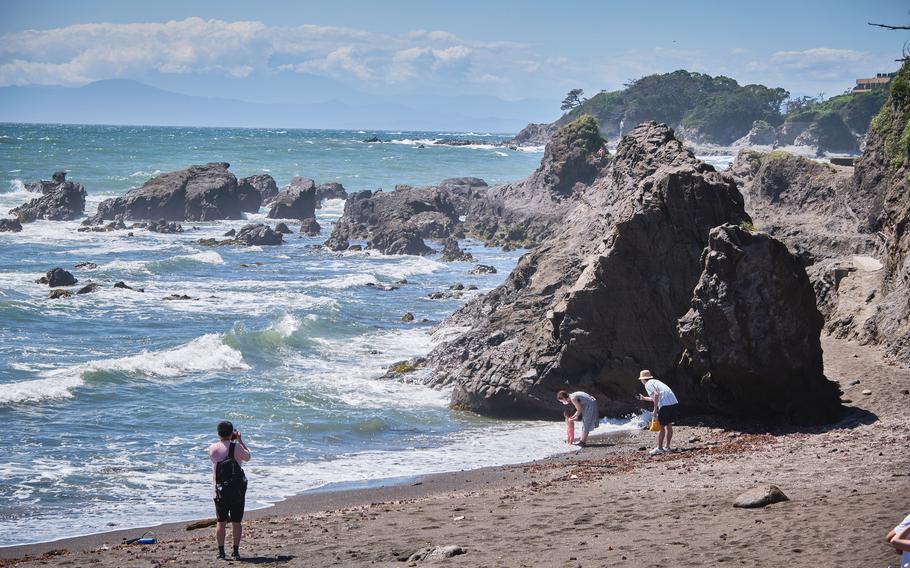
pixel 228 484
pixel 899 538
pixel 666 409
pixel 585 410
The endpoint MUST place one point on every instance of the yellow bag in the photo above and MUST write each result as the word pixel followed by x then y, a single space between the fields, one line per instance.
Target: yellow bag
pixel 655 426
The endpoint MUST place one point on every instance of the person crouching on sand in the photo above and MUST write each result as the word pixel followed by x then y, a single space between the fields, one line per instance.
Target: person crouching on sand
pixel 666 409
pixel 585 410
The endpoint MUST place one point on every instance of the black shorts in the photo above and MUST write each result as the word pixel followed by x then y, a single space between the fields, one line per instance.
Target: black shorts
pixel 229 512
pixel 669 414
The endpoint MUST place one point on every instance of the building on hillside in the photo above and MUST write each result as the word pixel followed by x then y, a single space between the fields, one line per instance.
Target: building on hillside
pixel 880 81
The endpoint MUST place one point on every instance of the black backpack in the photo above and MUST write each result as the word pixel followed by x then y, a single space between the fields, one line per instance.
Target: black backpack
pixel 230 481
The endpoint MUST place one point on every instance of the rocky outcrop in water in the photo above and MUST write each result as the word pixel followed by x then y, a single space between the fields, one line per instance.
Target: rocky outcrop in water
pixel 46 186
pixel 401 241
pixel 297 200
pixel 254 234
pixel 198 193
pixel 534 134
pixel 752 335
pixel 451 252
pixel 263 184
pixel 592 305
pixel 310 227
pixel 329 190
pixel 57 277
pixel 61 200
pixel 10 226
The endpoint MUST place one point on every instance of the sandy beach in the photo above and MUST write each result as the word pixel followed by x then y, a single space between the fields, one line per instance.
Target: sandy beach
pixel 606 505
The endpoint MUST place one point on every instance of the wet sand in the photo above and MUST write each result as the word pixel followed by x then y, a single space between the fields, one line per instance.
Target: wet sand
pixel 606 505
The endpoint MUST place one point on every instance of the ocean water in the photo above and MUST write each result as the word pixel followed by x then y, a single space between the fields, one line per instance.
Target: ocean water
pixel 109 400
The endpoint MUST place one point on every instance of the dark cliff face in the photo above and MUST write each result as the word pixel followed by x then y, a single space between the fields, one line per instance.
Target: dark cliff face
pixel 598 301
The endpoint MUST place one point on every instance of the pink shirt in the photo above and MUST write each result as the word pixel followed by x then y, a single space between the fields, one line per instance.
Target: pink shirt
pixel 219 450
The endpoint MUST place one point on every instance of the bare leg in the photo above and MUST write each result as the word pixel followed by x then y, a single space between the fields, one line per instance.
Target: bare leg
pixel 219 533
pixel 236 532
pixel 660 437
pixel 584 437
pixel 669 435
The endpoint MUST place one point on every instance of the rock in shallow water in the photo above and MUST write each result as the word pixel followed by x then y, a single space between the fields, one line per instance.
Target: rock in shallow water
pixel 61 200
pixel 296 201
pixel 57 277
pixel 10 226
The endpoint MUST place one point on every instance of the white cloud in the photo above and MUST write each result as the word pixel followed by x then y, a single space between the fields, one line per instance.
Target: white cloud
pixel 78 54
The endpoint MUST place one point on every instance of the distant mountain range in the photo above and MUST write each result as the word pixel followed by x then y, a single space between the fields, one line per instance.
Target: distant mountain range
pixel 120 101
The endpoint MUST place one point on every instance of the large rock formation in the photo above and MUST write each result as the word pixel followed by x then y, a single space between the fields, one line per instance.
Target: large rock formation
pixel 10 226
pixel 198 193
pixel 534 134
pixel 752 335
pixel 263 184
pixel 395 221
pixel 297 200
pixel 592 305
pixel 61 200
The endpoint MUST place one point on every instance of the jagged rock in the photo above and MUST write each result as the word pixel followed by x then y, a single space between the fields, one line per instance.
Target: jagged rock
pixel 812 207
pixel 534 134
pixel 178 297
pixel 329 190
pixel 407 317
pixel 310 227
pixel 761 134
pixel 264 184
pixel 112 226
pixel 337 243
pixel 59 293
pixel 483 269
pixel 249 197
pixel 44 186
pixel 57 277
pixel 526 212
pixel 258 234
pixel 162 226
pixel 752 334
pixel 436 553
pixel 10 226
pixel 372 140
pixel 432 212
pixel 591 306
pixel 88 288
pixel 355 248
pixel 61 200
pixel 404 241
pixel 760 496
pixel 198 193
pixel 297 200
pixel 85 266
pixel 123 285
pixel 230 233
pixel 451 252
pixel 283 229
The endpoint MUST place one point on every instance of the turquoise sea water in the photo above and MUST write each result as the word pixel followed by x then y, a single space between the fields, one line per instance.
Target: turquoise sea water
pixel 109 400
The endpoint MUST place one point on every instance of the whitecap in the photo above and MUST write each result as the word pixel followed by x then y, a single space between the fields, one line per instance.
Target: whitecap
pixel 206 353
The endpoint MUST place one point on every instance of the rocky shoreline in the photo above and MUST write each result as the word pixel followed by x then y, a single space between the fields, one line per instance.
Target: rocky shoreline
pixel 838 486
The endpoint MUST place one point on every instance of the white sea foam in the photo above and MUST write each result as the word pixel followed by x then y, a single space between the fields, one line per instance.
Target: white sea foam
pixel 206 353
pixel 498 153
pixel 205 257
pixel 287 325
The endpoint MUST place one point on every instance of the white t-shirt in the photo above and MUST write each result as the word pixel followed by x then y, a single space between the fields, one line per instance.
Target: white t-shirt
pixel 667 398
pixel 905 557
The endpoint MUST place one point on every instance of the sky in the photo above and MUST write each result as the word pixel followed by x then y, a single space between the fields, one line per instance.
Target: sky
pixel 355 52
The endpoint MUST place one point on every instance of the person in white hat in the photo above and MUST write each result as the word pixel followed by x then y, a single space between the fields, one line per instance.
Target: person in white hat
pixel 666 408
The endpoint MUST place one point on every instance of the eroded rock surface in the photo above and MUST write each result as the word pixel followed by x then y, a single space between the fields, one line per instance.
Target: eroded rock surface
pixel 297 200
pixel 198 193
pixel 590 307
pixel 61 200
pixel 752 336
